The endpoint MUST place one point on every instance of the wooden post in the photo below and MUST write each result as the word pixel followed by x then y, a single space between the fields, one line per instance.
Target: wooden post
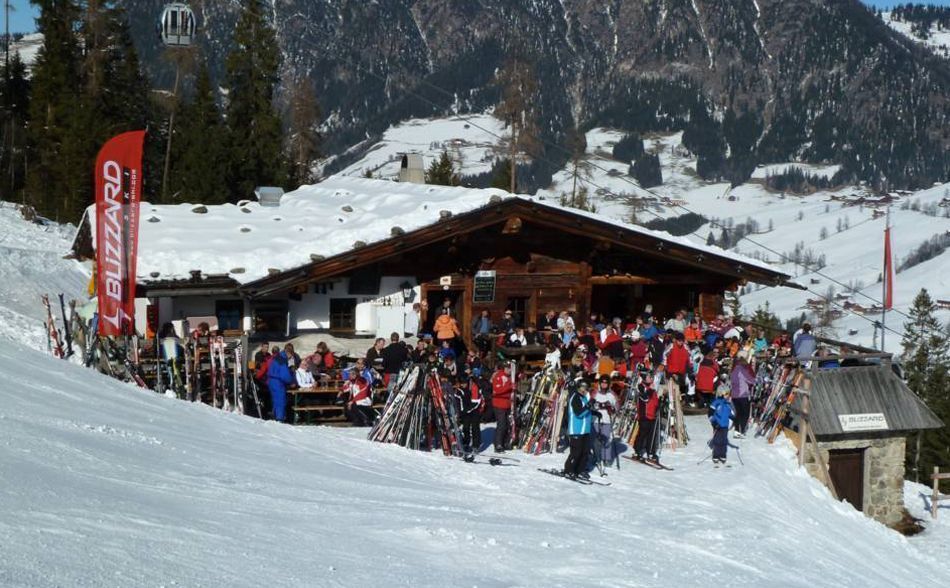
pixel 936 495
pixel 823 467
pixel 803 429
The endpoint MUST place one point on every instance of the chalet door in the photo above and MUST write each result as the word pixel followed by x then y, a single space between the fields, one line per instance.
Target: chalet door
pixel 846 467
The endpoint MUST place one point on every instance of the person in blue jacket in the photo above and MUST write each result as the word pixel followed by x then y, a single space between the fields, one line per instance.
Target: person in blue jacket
pixel 278 378
pixel 579 417
pixel 720 415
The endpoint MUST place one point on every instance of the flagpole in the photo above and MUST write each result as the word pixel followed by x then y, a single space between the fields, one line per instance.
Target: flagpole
pixel 884 283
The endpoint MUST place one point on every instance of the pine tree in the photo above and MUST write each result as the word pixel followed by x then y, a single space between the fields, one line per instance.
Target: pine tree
pixel 303 139
pixel 734 305
pixel 57 163
pixel 255 154
pixel 15 99
pixel 710 240
pixel 926 363
pixel 441 172
pixel 501 175
pixel 199 155
pixel 924 344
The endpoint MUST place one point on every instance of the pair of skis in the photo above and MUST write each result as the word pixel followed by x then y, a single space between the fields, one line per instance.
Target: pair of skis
pixel 577 480
pixel 649 462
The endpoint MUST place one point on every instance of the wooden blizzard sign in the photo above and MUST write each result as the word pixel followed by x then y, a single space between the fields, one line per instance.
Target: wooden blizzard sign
pixel 874 421
pixel 118 184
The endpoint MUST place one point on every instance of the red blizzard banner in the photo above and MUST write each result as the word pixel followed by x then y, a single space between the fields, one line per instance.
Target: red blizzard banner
pixel 118 183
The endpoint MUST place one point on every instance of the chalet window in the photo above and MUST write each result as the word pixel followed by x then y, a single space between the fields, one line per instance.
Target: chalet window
pixel 270 316
pixel 365 281
pixel 518 305
pixel 229 313
pixel 343 314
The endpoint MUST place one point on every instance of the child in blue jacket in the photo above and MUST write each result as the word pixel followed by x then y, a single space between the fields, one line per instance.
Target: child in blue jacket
pixel 720 414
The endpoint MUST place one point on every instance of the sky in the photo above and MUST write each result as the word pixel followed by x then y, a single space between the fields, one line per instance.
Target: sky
pixel 21 21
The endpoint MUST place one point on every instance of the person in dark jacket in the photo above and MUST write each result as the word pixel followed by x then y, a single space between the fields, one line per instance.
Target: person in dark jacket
pixel 648 405
pixel 279 377
pixel 579 420
pixel 394 356
pixel 722 413
pixel 471 405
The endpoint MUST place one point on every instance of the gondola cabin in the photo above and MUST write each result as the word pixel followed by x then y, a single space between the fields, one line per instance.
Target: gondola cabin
pixel 177 25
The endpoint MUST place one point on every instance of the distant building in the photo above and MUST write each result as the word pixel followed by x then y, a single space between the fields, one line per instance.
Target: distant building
pixel 412 169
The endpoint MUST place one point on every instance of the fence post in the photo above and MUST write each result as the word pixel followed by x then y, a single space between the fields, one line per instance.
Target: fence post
pixel 936 495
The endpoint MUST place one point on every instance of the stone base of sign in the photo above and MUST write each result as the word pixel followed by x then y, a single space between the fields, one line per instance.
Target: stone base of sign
pixel 883 475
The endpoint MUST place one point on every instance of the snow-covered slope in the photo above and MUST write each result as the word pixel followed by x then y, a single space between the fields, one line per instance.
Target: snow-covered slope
pixel 938 40
pixel 853 256
pixel 470 141
pixel 28 47
pixel 32 264
pixel 105 484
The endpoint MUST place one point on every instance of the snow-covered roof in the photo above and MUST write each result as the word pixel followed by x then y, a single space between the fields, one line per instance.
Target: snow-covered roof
pixel 246 241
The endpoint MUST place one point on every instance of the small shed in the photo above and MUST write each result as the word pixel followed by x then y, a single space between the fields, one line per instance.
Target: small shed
pixel 860 417
pixel 412 169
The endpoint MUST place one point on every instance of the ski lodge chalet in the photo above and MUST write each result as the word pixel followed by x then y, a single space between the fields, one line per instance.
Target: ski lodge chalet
pixel 351 256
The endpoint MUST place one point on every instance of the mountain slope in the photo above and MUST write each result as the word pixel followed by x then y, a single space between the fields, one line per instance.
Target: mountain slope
pixel 819 80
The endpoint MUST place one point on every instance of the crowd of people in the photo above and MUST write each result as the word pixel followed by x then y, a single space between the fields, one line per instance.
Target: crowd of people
pixel 610 364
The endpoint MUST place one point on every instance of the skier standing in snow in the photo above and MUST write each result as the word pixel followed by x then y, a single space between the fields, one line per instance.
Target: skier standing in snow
pixel 604 402
pixel 648 404
pixel 579 420
pixel 279 377
pixel 742 380
pixel 722 413
pixel 502 389
pixel 471 405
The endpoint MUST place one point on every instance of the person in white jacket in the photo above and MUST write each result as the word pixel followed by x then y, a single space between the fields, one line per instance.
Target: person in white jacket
pixel 304 376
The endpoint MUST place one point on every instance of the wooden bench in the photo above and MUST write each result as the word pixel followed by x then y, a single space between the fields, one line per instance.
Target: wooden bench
pixel 318 404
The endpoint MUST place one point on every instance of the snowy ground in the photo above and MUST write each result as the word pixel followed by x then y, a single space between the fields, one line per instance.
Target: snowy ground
pixel 938 41
pixel 32 264
pixel 105 484
pixel 471 142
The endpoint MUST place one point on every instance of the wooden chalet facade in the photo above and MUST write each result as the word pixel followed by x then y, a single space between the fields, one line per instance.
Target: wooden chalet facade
pixel 512 253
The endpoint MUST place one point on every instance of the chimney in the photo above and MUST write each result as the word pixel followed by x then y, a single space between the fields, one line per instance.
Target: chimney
pixel 269 196
pixel 412 169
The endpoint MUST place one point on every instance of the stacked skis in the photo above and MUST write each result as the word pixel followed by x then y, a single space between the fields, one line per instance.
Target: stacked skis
pixel 541 413
pixel 419 414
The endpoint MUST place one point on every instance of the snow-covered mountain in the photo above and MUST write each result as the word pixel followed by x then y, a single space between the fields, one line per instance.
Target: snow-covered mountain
pixel 817 80
pixel 843 226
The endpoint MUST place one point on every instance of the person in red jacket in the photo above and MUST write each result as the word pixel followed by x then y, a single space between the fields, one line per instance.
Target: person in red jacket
pixel 706 378
pixel 648 404
pixel 678 364
pixel 502 389
pixel 638 351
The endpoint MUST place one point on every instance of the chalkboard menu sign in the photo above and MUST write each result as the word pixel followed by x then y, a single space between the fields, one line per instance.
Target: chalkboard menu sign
pixel 484 287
